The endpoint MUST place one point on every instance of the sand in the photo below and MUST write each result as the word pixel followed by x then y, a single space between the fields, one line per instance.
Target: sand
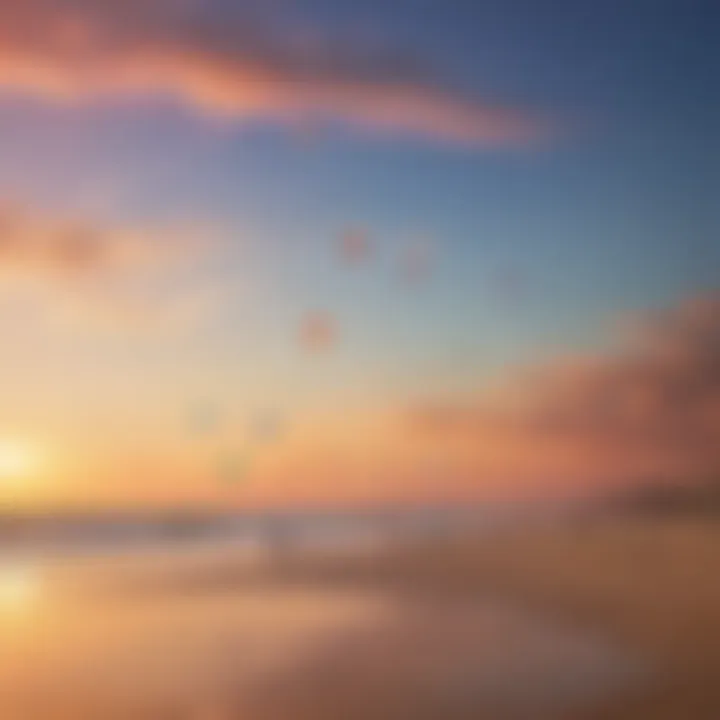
pixel 652 585
pixel 610 618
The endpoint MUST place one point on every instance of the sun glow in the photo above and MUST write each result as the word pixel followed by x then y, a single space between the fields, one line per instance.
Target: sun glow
pixel 19 587
pixel 18 460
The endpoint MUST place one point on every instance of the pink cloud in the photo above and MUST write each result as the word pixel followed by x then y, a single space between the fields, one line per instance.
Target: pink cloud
pixel 651 411
pixel 79 51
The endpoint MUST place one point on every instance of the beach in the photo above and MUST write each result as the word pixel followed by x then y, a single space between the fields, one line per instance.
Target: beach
pixel 648 583
pixel 608 618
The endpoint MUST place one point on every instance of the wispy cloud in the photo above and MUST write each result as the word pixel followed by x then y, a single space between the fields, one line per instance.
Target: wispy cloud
pixel 38 244
pixel 652 411
pixel 77 50
pixel 81 272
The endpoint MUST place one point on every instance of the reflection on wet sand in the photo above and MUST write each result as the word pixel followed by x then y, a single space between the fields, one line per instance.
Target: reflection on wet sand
pixel 255 645
pixel 20 587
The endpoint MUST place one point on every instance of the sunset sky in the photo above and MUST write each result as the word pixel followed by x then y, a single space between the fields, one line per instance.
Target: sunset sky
pixel 334 252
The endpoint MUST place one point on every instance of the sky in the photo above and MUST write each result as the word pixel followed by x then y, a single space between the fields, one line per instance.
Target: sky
pixel 315 252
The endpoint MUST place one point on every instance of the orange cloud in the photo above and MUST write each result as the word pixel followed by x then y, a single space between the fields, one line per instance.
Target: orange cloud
pixel 77 50
pixel 652 411
pixel 38 244
pixel 81 272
